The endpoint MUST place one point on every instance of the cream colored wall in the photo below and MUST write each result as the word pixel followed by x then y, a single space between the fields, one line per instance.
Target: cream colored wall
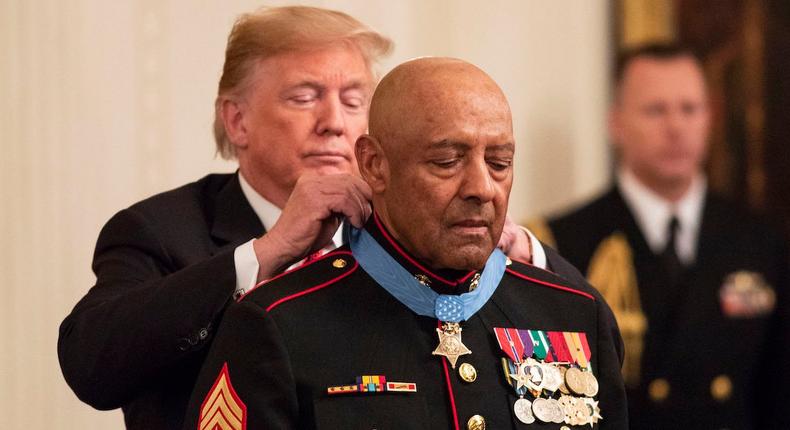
pixel 107 102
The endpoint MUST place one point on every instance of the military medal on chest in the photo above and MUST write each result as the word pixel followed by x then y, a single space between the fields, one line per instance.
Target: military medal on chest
pixel 450 345
pixel 520 377
pixel 551 374
pixel 449 310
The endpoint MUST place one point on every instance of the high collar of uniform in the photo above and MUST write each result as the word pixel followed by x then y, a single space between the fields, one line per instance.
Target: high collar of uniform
pixel 444 281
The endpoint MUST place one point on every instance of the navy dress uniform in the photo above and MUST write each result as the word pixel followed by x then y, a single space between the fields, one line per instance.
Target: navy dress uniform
pixel 702 351
pixel 327 346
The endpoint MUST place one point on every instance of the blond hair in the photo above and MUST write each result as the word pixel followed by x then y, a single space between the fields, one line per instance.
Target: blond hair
pixel 270 31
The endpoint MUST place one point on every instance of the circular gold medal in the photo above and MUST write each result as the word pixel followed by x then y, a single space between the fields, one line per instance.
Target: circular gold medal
pixel 574 379
pixel 563 387
pixel 591 384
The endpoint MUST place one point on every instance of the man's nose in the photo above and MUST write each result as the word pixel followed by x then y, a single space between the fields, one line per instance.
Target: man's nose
pixel 331 117
pixel 478 183
pixel 676 120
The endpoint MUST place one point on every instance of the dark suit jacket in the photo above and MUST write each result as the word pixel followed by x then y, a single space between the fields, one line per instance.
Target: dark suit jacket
pixel 690 341
pixel 165 273
pixel 324 324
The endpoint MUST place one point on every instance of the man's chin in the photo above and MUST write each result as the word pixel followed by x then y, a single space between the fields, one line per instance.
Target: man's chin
pixel 467 257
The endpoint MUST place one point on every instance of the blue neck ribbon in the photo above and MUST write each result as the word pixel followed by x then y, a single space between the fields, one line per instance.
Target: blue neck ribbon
pixel 422 300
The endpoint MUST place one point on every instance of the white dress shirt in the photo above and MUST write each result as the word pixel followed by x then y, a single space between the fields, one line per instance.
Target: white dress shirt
pixel 653 213
pixel 246 261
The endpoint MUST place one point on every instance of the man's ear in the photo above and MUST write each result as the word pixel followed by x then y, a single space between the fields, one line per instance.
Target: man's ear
pixel 373 165
pixel 232 113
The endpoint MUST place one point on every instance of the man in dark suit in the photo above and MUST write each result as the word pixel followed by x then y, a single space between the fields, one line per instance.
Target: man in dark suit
pixel 292 99
pixel 289 109
pixel 698 284
pixel 350 341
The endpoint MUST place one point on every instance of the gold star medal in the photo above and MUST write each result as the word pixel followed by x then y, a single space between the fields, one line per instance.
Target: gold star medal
pixel 450 345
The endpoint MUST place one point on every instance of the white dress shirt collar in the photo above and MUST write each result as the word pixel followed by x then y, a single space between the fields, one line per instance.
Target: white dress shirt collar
pixel 652 214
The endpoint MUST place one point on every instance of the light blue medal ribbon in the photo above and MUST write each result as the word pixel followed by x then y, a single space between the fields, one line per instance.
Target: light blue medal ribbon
pixel 420 299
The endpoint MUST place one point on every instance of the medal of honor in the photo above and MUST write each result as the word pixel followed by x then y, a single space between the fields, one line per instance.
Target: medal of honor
pixel 450 345
pixel 450 310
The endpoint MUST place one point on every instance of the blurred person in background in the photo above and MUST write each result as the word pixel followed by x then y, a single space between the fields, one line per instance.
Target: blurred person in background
pixel 698 284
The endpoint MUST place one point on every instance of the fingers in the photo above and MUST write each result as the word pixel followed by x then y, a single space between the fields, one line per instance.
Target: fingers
pixel 505 241
pixel 353 208
pixel 509 235
pixel 347 195
pixel 519 246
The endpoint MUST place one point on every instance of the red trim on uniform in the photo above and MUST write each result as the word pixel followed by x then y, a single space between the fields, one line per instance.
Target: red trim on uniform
pixel 450 388
pixel 266 281
pixel 317 287
pixel 549 284
pixel 530 264
pixel 467 276
pixel 413 261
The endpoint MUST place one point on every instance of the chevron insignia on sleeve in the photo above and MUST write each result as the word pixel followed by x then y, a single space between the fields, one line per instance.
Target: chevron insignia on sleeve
pixel 222 409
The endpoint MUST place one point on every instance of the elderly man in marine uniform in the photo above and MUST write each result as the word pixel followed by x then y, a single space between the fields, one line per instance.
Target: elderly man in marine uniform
pixel 420 322
pixel 697 283
pixel 292 100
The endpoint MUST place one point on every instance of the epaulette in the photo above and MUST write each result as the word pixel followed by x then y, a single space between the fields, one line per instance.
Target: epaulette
pixel 310 277
pixel 536 275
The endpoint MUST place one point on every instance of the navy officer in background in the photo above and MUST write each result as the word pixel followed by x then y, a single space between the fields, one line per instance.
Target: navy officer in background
pixel 420 322
pixel 698 284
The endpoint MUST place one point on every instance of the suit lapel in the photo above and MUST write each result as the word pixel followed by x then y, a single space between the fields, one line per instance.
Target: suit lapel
pixel 234 220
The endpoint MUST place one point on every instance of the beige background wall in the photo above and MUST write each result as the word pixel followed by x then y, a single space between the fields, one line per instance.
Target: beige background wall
pixel 107 102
